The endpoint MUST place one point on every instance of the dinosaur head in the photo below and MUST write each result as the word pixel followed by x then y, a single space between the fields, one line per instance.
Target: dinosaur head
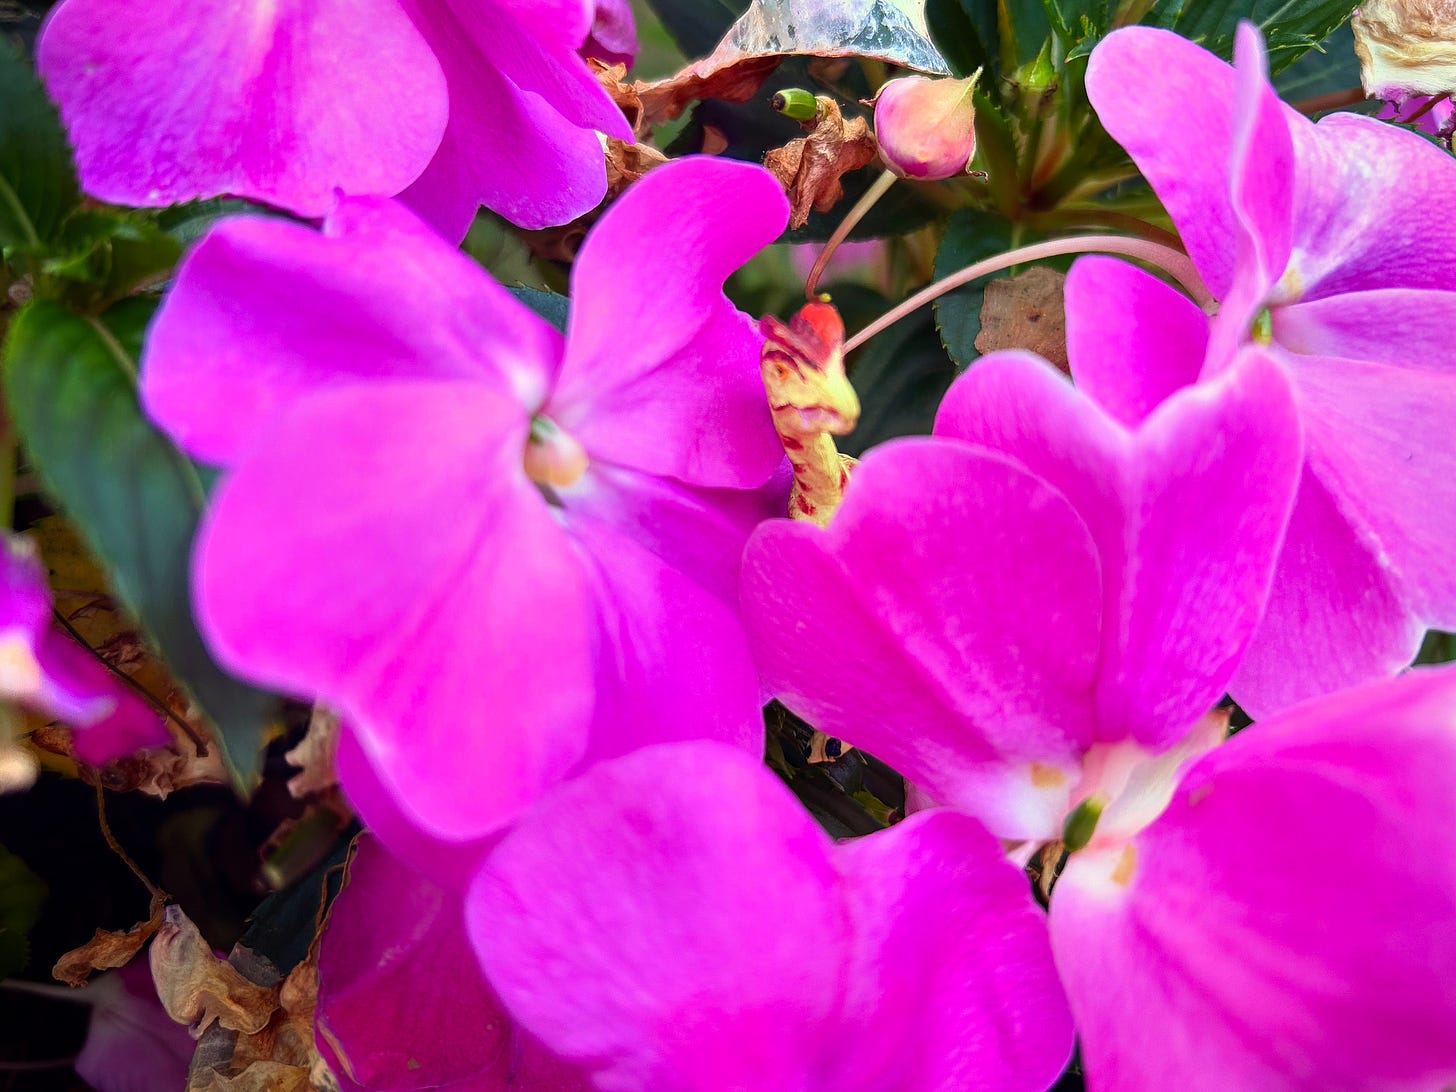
pixel 803 370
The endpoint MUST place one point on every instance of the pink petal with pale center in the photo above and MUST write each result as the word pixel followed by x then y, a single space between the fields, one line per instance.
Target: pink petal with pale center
pixel 410 575
pixel 1403 327
pixel 282 102
pixel 947 621
pixel 1285 923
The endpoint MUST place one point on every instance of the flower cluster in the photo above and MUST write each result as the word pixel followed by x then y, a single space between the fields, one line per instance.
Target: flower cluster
pixel 544 577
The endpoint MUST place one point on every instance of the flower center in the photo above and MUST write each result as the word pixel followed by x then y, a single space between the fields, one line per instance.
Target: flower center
pixel 554 458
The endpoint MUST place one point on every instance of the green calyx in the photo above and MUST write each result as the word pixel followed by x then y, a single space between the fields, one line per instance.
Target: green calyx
pixel 1081 822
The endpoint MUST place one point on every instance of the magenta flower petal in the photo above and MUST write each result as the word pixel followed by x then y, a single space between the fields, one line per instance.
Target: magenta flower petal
pixel 1157 345
pixel 525 151
pixel 1261 161
pixel 945 870
pixel 44 670
pixel 1359 325
pixel 1333 614
pixel 167 102
pixel 1286 922
pixel 1202 489
pixel 132 1045
pixel 673 660
pixel 613 38
pixel 649 920
pixel 689 347
pixel 1361 230
pixel 425 655
pixel 402 1002
pixel 265 312
pixel 947 621
pixel 1377 439
pixel 1166 101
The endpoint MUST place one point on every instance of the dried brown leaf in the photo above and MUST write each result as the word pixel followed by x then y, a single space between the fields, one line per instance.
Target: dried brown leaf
pixel 735 81
pixel 1026 312
pixel 107 949
pixel 811 168
pixel 628 162
pixel 315 755
pixel 197 988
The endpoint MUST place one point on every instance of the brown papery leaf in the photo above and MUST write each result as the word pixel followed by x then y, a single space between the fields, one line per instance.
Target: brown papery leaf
pixel 107 949
pixel 736 81
pixel 315 755
pixel 199 989
pixel 810 168
pixel 1026 312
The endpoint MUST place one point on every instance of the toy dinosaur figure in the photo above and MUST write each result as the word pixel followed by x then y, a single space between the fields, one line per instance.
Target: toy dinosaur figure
pixel 812 402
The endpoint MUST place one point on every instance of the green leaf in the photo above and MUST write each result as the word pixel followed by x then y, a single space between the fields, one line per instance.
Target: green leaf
pixel 22 894
pixel 1330 68
pixel 900 375
pixel 71 385
pixel 104 254
pixel 37 181
pixel 697 25
pixel 1076 20
pixel 1290 27
pixel 970 236
pixel 965 33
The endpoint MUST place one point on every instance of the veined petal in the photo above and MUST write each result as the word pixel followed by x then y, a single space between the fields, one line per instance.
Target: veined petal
pixel 1334 616
pixel 1402 327
pixel 1169 102
pixel 662 371
pixel 282 102
pixel 1380 443
pixel 403 1004
pixel 1155 347
pixel 1196 497
pixel 411 576
pixel 265 312
pixel 1286 921
pixel 947 621
pixel 1370 206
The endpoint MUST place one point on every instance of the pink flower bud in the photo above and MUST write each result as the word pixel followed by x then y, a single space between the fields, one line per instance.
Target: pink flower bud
pixel 927 127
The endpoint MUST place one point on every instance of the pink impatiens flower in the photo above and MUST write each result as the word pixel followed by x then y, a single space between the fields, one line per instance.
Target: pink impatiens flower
pixel 1332 243
pixel 1032 640
pixel 674 919
pixel 498 552
pixel 456 103
pixel 1062 579
pixel 43 670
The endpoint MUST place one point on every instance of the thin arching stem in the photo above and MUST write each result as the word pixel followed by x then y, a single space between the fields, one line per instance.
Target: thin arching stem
pixel 855 215
pixel 1173 262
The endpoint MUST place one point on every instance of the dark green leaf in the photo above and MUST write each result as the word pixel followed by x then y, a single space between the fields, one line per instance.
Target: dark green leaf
pixel 900 375
pixel 37 181
pixel 965 32
pixel 1077 20
pixel 970 236
pixel 1333 67
pixel 22 893
pixel 1290 27
pixel 697 25
pixel 105 254
pixel 551 306
pixel 71 385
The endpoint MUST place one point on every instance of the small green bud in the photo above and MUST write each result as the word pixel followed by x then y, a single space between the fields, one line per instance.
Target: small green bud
pixel 796 103
pixel 1263 328
pixel 1081 822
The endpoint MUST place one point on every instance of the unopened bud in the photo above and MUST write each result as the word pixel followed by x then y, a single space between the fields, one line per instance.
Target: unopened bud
pixel 1406 47
pixel 927 127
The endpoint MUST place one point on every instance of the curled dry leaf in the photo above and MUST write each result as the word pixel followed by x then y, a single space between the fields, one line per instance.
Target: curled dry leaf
pixel 156 771
pixel 107 949
pixel 1026 312
pixel 664 100
pixel 199 989
pixel 811 168
pixel 315 754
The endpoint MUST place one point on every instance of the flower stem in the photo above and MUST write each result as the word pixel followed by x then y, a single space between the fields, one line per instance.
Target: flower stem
pixel 855 215
pixel 1173 262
